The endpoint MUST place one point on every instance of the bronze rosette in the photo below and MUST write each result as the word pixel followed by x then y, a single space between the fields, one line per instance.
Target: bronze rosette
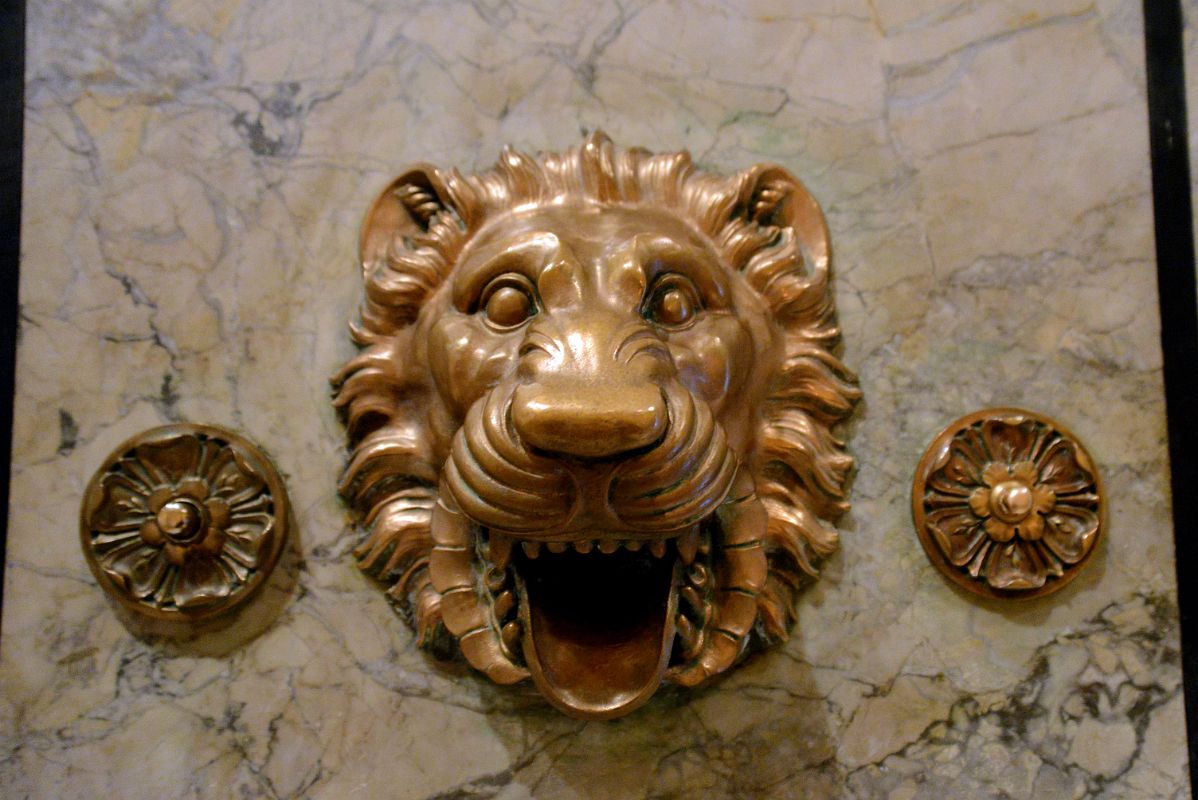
pixel 1008 504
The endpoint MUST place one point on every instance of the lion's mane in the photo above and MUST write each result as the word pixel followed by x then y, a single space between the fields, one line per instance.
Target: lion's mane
pixel 800 464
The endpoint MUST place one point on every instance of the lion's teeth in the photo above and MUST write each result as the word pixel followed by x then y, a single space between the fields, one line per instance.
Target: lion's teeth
pixel 499 551
pixel 583 546
pixel 511 634
pixel 531 549
pixel 495 578
pixel 609 545
pixel 504 603
pixel 688 545
pixel 690 635
pixel 657 547
pixel 557 547
pixel 634 544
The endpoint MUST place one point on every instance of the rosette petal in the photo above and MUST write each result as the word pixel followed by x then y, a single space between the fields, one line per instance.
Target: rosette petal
pixel 995 473
pixel 1015 565
pixel 159 497
pixel 141 570
pixel 244 537
pixel 1025 472
pixel 218 512
pixel 979 502
pixel 210 545
pixel 1070 532
pixel 957 532
pixel 171 459
pixel 957 468
pixel 193 487
pixel 175 553
pixel 233 479
pixel 1009 440
pixel 1032 527
pixel 151 534
pixel 201 581
pixel 1064 469
pixel 951 521
pixel 123 504
pixel 1043 499
pixel 999 531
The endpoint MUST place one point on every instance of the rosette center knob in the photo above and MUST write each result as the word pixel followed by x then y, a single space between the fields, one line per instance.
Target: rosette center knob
pixel 181 519
pixel 1011 501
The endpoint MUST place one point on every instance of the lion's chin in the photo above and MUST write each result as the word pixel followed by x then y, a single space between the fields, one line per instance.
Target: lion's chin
pixel 598 627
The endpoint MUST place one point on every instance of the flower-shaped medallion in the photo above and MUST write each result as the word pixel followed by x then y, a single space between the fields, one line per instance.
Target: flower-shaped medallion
pixel 184 522
pixel 1007 503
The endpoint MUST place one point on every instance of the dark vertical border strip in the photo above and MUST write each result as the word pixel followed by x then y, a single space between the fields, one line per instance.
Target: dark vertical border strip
pixel 12 118
pixel 1171 203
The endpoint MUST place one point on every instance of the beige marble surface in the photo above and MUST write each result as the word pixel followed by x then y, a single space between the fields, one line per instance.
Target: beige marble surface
pixel 194 177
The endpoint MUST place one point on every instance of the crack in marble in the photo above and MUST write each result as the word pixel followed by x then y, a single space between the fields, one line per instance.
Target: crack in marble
pixel 194 184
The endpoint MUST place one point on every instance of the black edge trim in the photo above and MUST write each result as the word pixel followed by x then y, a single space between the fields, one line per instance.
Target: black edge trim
pixel 1171 203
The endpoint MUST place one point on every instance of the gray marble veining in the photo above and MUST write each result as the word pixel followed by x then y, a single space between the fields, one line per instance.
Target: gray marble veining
pixel 194 177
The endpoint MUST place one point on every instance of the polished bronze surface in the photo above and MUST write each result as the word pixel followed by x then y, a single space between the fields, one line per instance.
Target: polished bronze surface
pixel 592 417
pixel 1007 504
pixel 183 524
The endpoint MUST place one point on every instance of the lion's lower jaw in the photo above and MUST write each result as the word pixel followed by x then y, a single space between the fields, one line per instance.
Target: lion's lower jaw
pixel 599 623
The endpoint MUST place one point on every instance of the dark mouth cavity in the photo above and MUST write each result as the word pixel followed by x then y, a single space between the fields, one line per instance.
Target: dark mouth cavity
pixel 597 600
pixel 598 627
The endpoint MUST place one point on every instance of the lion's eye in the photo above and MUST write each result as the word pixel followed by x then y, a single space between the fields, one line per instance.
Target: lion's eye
pixel 673 301
pixel 507 301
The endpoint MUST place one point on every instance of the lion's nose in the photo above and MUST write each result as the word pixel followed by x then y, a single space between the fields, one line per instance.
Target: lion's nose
pixel 591 422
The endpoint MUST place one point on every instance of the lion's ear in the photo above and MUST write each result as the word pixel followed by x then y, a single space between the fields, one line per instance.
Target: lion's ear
pixel 405 208
pixel 775 198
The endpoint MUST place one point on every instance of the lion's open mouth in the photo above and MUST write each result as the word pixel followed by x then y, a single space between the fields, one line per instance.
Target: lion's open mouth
pixel 599 622
pixel 597 617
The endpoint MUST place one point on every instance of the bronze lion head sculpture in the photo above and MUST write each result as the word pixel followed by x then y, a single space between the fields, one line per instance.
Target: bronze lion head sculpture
pixel 592 416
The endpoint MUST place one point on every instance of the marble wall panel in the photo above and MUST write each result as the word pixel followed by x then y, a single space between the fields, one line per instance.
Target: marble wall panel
pixel 195 174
